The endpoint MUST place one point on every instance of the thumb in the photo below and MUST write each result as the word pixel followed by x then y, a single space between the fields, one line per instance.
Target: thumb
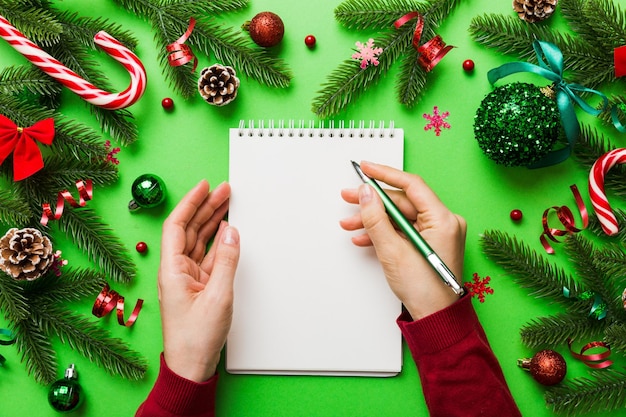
pixel 375 220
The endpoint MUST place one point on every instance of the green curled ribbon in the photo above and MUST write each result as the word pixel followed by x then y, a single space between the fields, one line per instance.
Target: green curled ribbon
pixel 615 118
pixel 598 309
pixel 566 94
pixel 10 339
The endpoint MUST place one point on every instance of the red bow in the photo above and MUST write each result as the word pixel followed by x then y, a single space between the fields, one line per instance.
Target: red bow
pixel 619 59
pixel 27 157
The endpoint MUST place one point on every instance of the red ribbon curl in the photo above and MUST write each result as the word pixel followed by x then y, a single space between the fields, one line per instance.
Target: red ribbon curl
pixel 619 60
pixel 430 52
pixel 566 217
pixel 85 192
pixel 108 300
pixel 593 360
pixel 180 53
pixel 20 141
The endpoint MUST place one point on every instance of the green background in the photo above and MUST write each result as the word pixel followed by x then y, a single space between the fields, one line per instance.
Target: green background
pixel 191 143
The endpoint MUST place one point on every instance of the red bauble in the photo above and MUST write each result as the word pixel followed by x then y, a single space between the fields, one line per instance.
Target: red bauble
pixel 516 215
pixel 546 366
pixel 310 41
pixel 266 29
pixel 167 103
pixel 141 247
pixel 468 65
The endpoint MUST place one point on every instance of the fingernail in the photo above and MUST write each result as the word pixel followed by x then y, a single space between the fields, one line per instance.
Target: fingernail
pixel 230 236
pixel 365 193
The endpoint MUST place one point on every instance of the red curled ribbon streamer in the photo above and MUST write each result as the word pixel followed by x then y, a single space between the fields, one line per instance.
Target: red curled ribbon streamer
pixel 566 217
pixel 593 360
pixel 85 192
pixel 108 300
pixel 619 60
pixel 430 52
pixel 180 53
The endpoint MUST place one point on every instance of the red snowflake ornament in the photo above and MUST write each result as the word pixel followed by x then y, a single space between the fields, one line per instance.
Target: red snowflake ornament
pixel 367 53
pixel 478 287
pixel 436 121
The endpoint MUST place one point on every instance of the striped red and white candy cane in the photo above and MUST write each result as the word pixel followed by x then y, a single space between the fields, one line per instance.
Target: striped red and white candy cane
pixel 67 77
pixel 596 188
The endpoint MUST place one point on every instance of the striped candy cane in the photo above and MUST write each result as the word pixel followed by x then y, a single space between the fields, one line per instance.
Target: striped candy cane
pixel 67 77
pixel 596 189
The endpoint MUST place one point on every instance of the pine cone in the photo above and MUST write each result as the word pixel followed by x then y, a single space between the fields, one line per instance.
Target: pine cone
pixel 25 254
pixel 218 84
pixel 534 10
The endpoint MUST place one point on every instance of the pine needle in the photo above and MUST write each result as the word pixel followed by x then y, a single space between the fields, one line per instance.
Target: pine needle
pixel 36 350
pixel 14 210
pixel 557 329
pixel 368 14
pixel 15 80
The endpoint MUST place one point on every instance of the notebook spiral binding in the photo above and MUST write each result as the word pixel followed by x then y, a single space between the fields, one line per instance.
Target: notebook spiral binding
pixel 280 129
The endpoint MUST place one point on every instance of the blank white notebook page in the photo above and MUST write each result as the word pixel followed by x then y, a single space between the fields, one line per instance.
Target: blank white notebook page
pixel 307 300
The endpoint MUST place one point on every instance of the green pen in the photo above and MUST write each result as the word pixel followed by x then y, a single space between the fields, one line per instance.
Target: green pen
pixel 412 234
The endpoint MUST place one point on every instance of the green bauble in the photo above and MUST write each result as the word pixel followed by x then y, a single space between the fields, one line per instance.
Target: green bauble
pixel 148 191
pixel 516 124
pixel 65 394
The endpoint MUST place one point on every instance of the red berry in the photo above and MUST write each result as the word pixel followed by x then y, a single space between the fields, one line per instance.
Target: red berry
pixel 167 103
pixel 141 247
pixel 310 41
pixel 468 65
pixel 516 215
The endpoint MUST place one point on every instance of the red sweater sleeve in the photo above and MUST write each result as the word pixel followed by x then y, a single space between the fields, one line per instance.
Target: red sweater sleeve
pixel 460 374
pixel 175 396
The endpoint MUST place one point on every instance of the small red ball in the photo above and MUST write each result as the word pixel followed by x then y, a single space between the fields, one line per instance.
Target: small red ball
pixel 516 215
pixel 141 247
pixel 468 65
pixel 167 103
pixel 310 41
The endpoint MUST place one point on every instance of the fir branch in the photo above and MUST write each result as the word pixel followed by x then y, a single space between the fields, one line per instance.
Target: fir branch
pixel 234 49
pixel 369 14
pixel 591 269
pixel 615 336
pixel 16 79
pixel 556 329
pixel 529 270
pixel 171 19
pixel 619 102
pixel 59 173
pixel 13 303
pixel 411 80
pixel 71 285
pixel 97 240
pixel 349 81
pixel 604 391
pixel 93 342
pixel 37 24
pixel 83 29
pixel 36 350
pixel 14 210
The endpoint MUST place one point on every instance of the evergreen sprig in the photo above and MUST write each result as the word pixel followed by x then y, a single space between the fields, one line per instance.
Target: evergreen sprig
pixel 603 391
pixel 15 80
pixel 35 311
pixel 528 269
pixel 557 329
pixel 14 209
pixel 171 19
pixel 348 81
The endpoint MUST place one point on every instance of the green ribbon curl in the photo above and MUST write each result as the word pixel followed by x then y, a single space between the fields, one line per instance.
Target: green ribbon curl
pixel 598 309
pixel 8 341
pixel 566 95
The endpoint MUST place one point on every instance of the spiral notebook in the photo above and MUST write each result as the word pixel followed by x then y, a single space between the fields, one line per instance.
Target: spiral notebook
pixel 308 301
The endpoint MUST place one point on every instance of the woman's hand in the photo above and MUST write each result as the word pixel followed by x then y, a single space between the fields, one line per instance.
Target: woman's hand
pixel 196 286
pixel 409 275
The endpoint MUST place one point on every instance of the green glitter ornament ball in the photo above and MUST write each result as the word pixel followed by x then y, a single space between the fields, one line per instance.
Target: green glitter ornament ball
pixel 148 191
pixel 516 124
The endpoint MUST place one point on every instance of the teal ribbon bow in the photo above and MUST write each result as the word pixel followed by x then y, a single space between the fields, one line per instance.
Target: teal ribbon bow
pixel 7 337
pixel 566 94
